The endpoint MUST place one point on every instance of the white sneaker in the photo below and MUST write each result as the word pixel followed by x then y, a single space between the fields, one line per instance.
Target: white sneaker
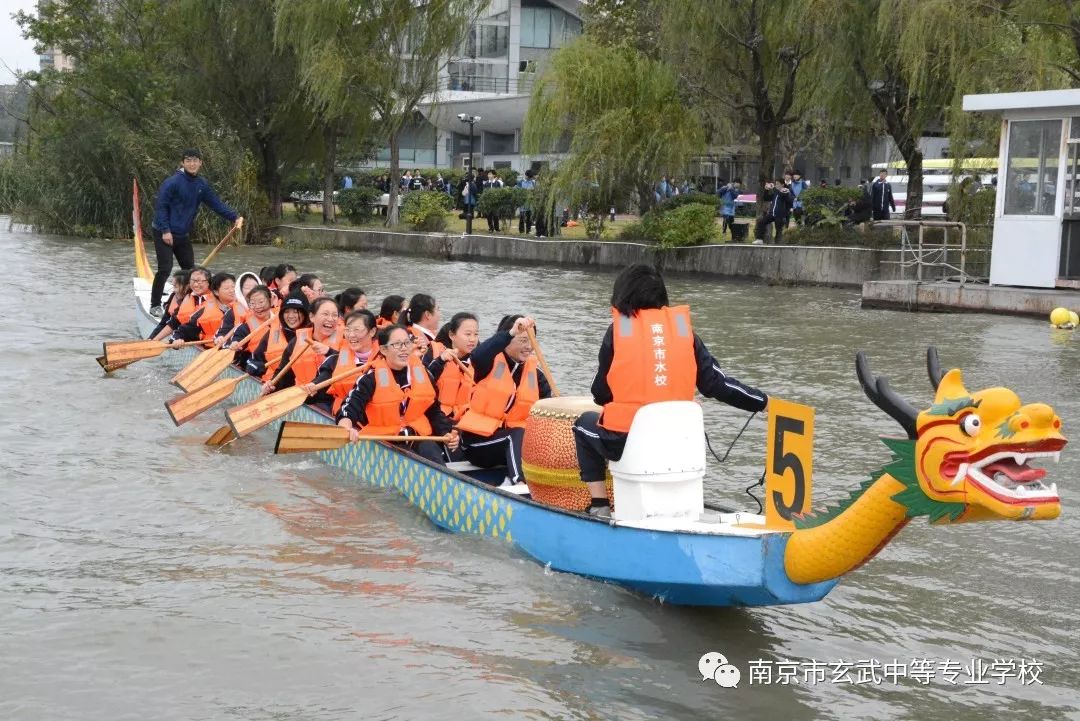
pixel 157 311
pixel 520 488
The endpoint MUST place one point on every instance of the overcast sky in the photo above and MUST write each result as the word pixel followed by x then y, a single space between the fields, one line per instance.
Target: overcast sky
pixel 16 53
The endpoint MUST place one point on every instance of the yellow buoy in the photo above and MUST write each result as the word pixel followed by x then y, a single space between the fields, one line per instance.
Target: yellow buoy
pixel 1059 316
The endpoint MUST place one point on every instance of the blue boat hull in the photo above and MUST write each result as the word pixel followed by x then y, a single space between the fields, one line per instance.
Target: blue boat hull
pixel 680 568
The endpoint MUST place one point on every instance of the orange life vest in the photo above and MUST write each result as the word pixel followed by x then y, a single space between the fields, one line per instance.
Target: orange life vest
pixel 384 409
pixel 346 360
pixel 307 365
pixel 174 305
pixel 417 333
pixel 488 410
pixel 653 361
pixel 257 329
pixel 188 307
pixel 210 319
pixel 455 386
pixel 275 346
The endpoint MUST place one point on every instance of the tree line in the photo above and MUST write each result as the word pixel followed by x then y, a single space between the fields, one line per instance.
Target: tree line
pixel 262 87
pixel 655 82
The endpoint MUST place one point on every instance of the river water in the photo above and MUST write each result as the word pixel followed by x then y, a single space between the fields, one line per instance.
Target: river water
pixel 144 576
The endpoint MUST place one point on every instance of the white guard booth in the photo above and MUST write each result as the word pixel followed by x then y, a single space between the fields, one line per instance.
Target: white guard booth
pixel 1037 218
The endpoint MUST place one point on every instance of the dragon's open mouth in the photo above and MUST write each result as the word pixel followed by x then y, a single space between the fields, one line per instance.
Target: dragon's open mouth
pixel 1004 472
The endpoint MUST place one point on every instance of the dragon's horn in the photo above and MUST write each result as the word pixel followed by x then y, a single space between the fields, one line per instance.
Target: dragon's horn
pixel 933 367
pixel 884 397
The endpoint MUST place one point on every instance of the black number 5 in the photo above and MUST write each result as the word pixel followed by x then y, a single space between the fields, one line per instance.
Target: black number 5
pixel 783 461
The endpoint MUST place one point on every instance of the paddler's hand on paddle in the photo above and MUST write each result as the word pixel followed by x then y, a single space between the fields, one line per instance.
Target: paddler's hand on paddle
pixel 521 325
pixel 239 223
pixel 219 340
pixel 235 345
pixel 449 355
pixel 166 238
pixel 267 389
pixel 176 343
pixel 453 440
pixel 320 348
pixel 310 389
pixel 354 435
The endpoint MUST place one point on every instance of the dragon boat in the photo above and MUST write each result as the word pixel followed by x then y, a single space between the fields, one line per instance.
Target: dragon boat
pixel 967 457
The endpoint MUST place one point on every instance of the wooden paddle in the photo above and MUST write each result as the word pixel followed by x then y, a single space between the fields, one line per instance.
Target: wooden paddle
pixel 221 244
pixel 262 411
pixel 295 437
pixel 207 366
pixel 184 407
pixel 110 367
pixel 543 363
pixel 137 350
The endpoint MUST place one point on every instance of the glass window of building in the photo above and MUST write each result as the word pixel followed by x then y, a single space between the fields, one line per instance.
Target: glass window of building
pixel 1032 167
pixel 496 10
pixel 499 143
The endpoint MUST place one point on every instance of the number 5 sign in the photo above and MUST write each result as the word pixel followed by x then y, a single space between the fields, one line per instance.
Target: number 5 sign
pixel 789 462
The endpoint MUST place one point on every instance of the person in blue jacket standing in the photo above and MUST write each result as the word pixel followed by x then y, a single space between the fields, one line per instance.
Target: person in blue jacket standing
pixel 798 185
pixel 174 214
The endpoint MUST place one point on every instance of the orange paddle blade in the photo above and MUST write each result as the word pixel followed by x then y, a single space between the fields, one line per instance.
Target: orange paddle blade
pixel 294 437
pixel 221 436
pixel 184 407
pixel 255 414
pixel 110 367
pixel 131 351
pixel 202 371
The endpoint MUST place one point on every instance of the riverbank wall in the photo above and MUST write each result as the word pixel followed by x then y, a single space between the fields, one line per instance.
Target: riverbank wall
pixel 798 265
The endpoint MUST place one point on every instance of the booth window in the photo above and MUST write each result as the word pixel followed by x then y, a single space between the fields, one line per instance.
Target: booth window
pixel 1032 167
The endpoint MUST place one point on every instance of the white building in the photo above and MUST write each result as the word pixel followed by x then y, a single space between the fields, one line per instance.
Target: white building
pixel 1037 217
pixel 491 76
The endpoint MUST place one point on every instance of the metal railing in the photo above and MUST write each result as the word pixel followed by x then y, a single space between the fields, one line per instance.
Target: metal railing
pixel 479 84
pixel 922 255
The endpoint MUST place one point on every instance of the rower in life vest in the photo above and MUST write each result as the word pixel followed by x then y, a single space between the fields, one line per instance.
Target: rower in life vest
pixel 172 305
pixel 292 319
pixel 508 382
pixel 198 293
pixel 390 311
pixel 205 322
pixel 452 369
pixel 649 354
pixel 257 322
pixel 360 348
pixel 422 318
pixel 397 397
pixel 325 338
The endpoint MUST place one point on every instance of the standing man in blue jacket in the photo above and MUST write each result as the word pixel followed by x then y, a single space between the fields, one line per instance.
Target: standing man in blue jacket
pixel 174 214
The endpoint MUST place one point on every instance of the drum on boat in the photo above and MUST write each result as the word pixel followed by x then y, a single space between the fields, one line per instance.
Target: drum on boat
pixel 549 455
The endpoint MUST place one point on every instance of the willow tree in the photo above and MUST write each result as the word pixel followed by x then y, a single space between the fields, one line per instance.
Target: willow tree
pixel 331 52
pixel 747 63
pixel 391 55
pixel 622 117
pixel 903 66
pixel 233 72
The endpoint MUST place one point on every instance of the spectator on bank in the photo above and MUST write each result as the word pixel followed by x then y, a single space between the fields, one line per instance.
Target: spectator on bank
pixel 493 181
pixel 406 181
pixel 881 197
pixel 797 186
pixel 857 211
pixel 525 218
pixel 778 213
pixel 728 194
pixel 468 192
pixel 347 182
pixel 418 181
